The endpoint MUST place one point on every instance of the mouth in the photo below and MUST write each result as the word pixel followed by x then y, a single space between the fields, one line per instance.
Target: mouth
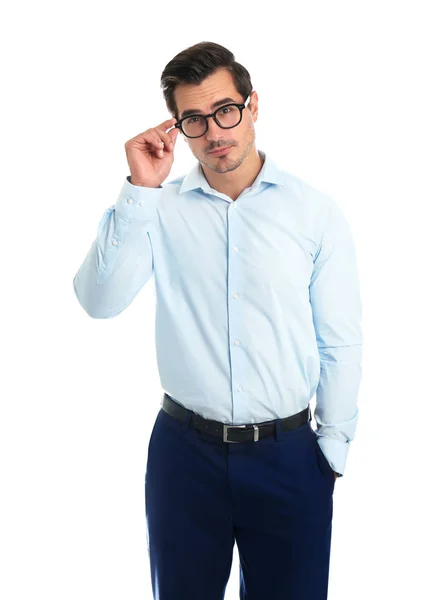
pixel 220 151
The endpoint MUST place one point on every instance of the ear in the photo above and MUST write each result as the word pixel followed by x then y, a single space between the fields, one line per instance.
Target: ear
pixel 253 105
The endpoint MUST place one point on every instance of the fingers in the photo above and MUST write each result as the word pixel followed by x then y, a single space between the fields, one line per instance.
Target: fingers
pixel 149 138
pixel 157 138
pixel 167 124
pixel 168 139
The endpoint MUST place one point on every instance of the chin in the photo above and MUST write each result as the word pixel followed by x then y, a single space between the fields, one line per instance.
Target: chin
pixel 225 167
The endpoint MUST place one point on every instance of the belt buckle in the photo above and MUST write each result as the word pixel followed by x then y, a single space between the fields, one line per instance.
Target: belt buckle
pixel 227 427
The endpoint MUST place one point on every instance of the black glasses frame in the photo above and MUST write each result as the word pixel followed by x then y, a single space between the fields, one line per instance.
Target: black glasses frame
pixel 241 107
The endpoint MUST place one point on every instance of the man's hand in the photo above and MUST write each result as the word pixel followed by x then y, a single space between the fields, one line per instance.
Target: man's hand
pixel 150 154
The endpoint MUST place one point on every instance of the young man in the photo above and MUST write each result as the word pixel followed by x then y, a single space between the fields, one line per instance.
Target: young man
pixel 258 308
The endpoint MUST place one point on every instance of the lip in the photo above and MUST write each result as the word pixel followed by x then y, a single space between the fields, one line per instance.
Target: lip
pixel 220 151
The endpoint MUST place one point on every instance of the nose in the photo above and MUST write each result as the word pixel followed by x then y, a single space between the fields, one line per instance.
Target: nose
pixel 214 132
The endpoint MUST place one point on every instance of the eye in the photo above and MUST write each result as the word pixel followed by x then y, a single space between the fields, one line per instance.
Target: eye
pixel 225 109
pixel 192 120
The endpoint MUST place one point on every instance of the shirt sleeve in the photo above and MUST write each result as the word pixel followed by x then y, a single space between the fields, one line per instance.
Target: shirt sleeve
pixel 337 313
pixel 120 260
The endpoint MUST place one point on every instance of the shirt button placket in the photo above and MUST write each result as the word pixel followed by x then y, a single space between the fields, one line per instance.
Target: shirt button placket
pixel 235 279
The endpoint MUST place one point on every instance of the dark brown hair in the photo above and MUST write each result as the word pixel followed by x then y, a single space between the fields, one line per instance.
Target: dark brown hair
pixel 197 62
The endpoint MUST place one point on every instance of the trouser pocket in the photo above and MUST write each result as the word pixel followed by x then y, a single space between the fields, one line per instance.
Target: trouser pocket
pixel 324 466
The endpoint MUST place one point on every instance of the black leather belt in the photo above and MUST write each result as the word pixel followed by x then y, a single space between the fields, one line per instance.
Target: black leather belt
pixel 234 433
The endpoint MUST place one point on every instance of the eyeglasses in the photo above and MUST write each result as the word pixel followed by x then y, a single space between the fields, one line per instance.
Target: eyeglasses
pixel 226 117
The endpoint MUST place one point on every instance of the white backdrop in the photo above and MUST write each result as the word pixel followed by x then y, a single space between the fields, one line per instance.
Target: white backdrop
pixel 347 102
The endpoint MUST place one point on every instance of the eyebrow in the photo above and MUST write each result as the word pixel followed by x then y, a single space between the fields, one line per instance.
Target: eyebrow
pixel 197 111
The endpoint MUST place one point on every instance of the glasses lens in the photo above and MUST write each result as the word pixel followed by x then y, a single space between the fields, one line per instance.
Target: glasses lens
pixel 227 116
pixel 194 126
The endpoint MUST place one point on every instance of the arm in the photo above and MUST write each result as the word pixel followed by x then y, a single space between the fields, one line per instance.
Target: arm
pixel 120 259
pixel 337 312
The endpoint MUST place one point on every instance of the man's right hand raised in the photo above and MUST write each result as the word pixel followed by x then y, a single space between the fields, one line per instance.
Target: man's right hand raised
pixel 150 154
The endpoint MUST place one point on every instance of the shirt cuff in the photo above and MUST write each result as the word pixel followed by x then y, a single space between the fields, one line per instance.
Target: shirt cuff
pixel 335 453
pixel 137 202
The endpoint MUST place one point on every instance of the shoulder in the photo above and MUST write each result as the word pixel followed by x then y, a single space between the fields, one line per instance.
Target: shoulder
pixel 315 199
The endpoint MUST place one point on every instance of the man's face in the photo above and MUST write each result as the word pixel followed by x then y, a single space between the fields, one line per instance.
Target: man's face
pixel 241 138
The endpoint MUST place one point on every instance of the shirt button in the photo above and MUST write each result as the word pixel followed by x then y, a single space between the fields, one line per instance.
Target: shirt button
pixel 141 203
pixel 114 242
pixel 130 200
pixel 235 296
pixel 236 342
pixel 235 248
pixel 240 388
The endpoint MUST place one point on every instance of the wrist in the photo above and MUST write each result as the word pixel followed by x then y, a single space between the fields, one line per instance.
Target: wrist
pixel 139 183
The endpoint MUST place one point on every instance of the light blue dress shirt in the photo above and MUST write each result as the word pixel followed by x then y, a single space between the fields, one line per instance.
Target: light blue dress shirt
pixel 257 300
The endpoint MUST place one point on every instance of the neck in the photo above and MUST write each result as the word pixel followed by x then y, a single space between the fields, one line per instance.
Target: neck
pixel 233 183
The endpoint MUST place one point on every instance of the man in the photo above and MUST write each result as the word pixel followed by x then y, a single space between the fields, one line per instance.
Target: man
pixel 258 308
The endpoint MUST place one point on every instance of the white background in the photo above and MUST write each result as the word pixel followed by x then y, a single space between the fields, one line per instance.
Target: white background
pixel 347 102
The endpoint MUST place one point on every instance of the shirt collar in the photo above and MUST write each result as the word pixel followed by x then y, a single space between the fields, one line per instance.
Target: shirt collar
pixel 269 172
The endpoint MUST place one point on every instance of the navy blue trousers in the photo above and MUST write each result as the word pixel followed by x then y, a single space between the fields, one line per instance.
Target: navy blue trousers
pixel 274 497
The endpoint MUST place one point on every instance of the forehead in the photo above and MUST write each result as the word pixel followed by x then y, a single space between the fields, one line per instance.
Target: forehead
pixel 200 97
